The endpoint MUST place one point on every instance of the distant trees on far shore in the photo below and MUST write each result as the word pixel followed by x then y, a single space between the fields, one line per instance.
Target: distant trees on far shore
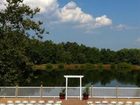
pixel 43 52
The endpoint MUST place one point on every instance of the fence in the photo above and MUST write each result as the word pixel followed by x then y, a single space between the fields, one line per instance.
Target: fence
pixel 99 92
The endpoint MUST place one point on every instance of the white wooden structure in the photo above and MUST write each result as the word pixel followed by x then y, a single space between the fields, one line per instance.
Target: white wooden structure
pixel 73 76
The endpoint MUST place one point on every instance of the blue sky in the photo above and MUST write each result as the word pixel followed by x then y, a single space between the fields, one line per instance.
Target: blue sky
pixel 113 24
pixel 121 12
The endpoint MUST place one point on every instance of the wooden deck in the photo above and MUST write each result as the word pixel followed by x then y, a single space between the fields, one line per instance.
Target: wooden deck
pixel 69 101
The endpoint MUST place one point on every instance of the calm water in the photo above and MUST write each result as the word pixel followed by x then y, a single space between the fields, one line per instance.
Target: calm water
pixel 97 78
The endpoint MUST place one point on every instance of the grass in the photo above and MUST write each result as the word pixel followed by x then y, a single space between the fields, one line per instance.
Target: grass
pixel 79 67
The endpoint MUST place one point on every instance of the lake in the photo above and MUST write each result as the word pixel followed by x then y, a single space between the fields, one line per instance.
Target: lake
pixel 99 78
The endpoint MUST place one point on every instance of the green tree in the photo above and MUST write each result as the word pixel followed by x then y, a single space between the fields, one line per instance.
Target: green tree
pixel 107 56
pixel 34 51
pixel 92 55
pixel 16 23
pixel 48 52
pixel 129 55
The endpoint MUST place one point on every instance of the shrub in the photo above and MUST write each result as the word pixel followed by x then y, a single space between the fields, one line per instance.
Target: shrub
pixel 49 66
pixel 113 66
pixel 100 66
pixel 61 66
pixel 76 67
pixel 62 92
pixel 124 66
pixel 82 67
pixel 89 66
pixel 86 89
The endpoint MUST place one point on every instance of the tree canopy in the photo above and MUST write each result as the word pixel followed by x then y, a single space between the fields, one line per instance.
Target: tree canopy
pixel 16 23
pixel 41 52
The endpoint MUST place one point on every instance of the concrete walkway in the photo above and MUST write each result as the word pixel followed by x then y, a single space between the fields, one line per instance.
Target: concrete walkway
pixel 69 101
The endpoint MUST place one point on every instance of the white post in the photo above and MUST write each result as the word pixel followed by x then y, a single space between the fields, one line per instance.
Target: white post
pixel 41 90
pixel 117 93
pixel 16 91
pixel 80 88
pixel 66 88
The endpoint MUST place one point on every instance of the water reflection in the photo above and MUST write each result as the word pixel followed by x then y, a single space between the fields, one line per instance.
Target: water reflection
pixel 96 77
pixel 114 83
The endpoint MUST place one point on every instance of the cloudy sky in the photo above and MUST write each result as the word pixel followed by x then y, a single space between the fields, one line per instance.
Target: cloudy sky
pixel 113 24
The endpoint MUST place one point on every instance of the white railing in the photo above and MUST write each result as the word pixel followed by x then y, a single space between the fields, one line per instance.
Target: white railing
pixel 99 92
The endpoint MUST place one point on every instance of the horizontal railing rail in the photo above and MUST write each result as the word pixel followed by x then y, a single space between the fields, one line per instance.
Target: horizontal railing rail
pixel 94 92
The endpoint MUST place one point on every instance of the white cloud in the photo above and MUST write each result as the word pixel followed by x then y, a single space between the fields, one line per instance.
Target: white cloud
pixel 69 13
pixel 44 5
pixel 2 2
pixel 50 10
pixel 72 13
pixel 103 21
pixel 138 40
pixel 121 27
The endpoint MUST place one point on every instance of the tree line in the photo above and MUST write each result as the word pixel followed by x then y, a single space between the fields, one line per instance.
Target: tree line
pixel 43 52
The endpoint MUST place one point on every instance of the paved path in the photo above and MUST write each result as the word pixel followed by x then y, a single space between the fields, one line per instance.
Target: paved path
pixel 69 101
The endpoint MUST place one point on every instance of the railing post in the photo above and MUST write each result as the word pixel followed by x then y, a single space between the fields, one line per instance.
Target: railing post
pixel 91 91
pixel 16 91
pixel 117 93
pixel 41 90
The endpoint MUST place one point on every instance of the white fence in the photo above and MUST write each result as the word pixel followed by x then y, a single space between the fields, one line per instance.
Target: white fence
pixel 99 92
